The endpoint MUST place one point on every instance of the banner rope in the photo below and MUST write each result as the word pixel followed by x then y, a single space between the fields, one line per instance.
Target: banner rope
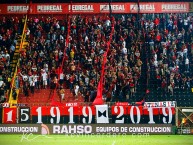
pixel 60 69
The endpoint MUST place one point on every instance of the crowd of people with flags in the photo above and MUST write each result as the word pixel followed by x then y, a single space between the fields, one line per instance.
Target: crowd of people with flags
pixel 102 58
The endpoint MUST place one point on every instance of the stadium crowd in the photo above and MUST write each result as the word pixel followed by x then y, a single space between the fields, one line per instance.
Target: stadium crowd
pixel 159 47
pixel 9 29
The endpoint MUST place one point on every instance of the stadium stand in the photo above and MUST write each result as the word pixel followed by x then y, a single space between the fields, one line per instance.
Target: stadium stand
pixel 148 59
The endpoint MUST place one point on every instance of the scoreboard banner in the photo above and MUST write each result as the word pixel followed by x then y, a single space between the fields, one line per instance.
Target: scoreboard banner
pixel 99 114
pixel 95 8
pixel 87 129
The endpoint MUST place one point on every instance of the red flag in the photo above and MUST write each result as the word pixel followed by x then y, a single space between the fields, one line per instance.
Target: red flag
pixel 99 98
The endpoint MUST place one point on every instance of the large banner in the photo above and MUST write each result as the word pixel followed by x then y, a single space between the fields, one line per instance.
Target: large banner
pixel 88 129
pixel 92 8
pixel 100 114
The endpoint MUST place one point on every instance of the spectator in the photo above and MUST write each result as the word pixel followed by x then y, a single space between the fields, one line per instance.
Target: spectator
pixel 14 94
pixel 161 47
pixel 62 93
pixel 32 84
pixel 44 79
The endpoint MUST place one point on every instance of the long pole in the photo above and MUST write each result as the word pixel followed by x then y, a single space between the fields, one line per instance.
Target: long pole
pixel 110 10
pixel 138 11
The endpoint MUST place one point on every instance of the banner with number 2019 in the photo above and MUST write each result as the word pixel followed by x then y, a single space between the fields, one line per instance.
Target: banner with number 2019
pixel 89 115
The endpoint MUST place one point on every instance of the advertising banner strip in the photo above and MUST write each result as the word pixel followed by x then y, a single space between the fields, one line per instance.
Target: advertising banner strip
pixel 88 129
pixel 96 8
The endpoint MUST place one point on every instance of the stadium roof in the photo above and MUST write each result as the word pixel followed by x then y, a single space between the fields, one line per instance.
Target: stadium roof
pixel 81 1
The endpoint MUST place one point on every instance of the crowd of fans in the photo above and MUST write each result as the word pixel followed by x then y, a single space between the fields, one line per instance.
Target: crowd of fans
pixel 142 48
pixel 9 30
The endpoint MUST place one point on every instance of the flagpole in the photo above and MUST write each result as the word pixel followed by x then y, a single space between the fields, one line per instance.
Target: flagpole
pixel 110 10
pixel 138 11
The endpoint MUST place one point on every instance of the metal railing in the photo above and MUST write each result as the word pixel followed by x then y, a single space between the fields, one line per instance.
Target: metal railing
pixel 11 101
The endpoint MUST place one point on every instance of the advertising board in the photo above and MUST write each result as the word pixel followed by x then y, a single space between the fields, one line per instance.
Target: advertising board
pixel 95 8
pixel 88 129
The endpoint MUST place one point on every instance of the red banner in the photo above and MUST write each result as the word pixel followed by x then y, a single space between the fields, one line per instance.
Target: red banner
pixel 172 7
pixel 92 8
pixel 88 114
